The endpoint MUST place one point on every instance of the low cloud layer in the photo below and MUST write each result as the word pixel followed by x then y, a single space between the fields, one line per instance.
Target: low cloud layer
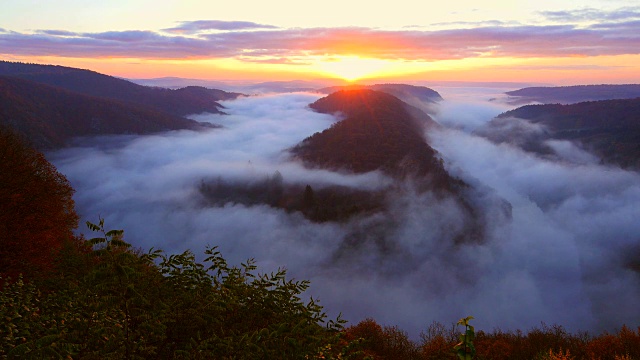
pixel 558 233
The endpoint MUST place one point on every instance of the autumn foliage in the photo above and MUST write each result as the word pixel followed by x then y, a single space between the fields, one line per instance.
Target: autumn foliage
pixel 37 211
pixel 437 342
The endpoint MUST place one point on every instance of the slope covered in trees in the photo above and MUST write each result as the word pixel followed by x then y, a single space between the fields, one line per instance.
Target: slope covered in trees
pixel 180 102
pixel 37 214
pixel 379 132
pixel 421 97
pixel 609 128
pixel 574 94
pixel 50 116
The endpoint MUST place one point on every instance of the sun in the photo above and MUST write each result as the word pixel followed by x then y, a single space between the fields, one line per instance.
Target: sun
pixel 352 68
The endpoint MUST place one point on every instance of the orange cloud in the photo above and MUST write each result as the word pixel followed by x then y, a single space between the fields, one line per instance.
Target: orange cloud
pixel 490 41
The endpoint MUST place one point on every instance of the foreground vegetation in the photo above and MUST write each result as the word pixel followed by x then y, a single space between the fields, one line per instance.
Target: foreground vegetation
pixel 545 343
pixel 112 302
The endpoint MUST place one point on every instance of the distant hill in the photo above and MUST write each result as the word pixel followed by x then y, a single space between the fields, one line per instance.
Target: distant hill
pixel 573 94
pixel 418 96
pixel 379 132
pixel 245 87
pixel 180 102
pixel 609 129
pixel 50 116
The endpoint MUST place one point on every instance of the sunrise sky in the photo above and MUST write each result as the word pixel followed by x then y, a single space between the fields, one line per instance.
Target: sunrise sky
pixel 542 41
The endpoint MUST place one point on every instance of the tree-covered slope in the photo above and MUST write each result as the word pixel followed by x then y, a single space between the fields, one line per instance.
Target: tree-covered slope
pixel 574 94
pixel 50 116
pixel 609 128
pixel 180 102
pixel 378 132
pixel 402 91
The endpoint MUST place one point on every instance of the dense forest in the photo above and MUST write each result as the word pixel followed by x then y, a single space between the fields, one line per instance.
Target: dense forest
pixel 179 102
pixel 379 132
pixel 330 203
pixel 63 296
pixel 574 94
pixel 418 96
pixel 51 104
pixel 51 116
pixel 608 128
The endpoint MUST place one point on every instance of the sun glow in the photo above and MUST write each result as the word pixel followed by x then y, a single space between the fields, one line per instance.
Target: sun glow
pixel 352 68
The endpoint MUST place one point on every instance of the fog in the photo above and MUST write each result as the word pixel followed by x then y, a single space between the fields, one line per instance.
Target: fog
pixel 558 254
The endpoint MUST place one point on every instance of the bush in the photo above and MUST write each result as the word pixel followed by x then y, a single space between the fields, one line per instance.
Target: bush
pixel 128 305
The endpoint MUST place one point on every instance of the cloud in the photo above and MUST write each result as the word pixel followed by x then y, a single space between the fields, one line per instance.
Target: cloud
pixel 555 252
pixel 266 45
pixel 591 14
pixel 58 32
pixel 125 36
pixel 476 24
pixel 194 27
pixel 279 60
pixel 573 222
pixel 614 27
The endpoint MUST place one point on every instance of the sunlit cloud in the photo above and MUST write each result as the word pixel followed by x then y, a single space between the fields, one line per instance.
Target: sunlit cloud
pixel 58 32
pixel 492 41
pixel 591 14
pixel 193 27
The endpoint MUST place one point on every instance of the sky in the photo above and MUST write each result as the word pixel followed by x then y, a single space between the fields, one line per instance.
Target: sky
pixel 544 41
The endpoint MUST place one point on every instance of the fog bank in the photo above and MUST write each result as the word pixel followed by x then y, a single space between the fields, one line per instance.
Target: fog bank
pixel 558 258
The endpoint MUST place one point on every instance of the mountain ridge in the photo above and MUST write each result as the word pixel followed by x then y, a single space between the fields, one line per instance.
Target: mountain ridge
pixel 574 94
pixel 609 129
pixel 379 132
pixel 180 102
pixel 50 116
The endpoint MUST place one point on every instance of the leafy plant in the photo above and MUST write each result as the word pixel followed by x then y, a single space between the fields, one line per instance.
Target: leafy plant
pixel 126 304
pixel 465 349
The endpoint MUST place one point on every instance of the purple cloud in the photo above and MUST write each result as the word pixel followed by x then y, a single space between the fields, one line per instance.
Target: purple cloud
pixel 264 46
pixel 633 25
pixel 193 27
pixel 591 14
pixel 57 32
pixel 125 36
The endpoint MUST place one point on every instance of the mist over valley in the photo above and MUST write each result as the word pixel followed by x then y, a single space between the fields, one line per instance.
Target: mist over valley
pixel 524 238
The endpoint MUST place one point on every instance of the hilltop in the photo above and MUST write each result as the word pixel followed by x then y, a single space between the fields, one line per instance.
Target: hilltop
pixel 50 116
pixel 573 94
pixel 378 132
pixel 179 102
pixel 610 129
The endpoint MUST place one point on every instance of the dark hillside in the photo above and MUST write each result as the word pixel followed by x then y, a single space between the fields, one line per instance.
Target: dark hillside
pixel 50 116
pixel 609 128
pixel 575 94
pixel 401 91
pixel 180 102
pixel 378 133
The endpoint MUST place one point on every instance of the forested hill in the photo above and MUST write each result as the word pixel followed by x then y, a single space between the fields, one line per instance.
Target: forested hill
pixel 378 132
pixel 50 116
pixel 574 94
pixel 609 128
pixel 180 102
pixel 410 94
